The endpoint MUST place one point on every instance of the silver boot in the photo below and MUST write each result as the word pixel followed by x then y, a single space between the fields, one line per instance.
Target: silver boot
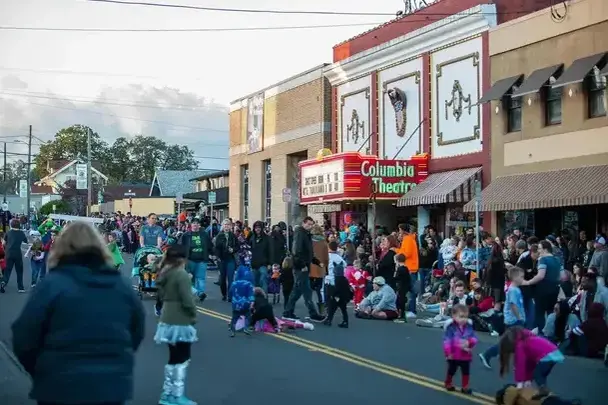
pixel 166 398
pixel 179 385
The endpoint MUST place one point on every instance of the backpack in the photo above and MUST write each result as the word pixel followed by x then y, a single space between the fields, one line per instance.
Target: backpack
pixel 338 269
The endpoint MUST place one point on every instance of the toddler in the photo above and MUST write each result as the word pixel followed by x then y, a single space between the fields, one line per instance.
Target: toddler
pixel 459 339
pixel 262 310
pixel 242 295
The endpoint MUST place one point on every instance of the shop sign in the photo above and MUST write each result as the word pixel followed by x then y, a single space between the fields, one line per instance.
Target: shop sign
pixel 352 176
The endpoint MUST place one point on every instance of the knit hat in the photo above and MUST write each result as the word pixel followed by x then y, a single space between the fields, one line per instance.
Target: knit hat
pixel 379 281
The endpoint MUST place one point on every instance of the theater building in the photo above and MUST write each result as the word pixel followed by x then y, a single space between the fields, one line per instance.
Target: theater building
pixel 549 155
pixel 271 131
pixel 411 87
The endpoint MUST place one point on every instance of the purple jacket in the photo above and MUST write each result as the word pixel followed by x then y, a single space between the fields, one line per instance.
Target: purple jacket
pixel 529 350
pixel 452 337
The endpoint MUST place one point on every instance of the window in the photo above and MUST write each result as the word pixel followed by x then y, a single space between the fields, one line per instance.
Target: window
pixel 553 106
pixel 514 114
pixel 245 191
pixel 596 93
pixel 267 191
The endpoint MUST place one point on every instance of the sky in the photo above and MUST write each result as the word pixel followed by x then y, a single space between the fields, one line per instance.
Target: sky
pixel 173 85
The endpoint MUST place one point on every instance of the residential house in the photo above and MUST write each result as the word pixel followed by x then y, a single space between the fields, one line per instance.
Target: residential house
pixel 61 172
pixel 171 183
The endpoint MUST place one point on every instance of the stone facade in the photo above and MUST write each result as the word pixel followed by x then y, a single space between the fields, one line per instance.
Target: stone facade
pixel 296 116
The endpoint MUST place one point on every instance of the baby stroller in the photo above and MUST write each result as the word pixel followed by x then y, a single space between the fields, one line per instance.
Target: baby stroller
pixel 145 271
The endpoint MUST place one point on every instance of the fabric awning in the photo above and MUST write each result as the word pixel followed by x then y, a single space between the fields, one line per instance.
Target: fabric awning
pixel 558 188
pixel 454 186
pixel 579 69
pixel 500 88
pixel 604 71
pixel 537 80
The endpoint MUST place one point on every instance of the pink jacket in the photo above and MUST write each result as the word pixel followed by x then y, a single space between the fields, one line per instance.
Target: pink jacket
pixel 529 350
pixel 453 335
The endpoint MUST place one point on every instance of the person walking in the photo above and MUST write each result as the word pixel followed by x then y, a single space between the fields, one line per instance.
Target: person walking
pixel 78 333
pixel 175 327
pixel 198 245
pixel 260 256
pixel 303 258
pixel 225 251
pixel 151 234
pixel 13 240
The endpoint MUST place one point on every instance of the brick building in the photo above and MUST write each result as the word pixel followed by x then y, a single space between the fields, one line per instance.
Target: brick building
pixel 548 101
pixel 271 131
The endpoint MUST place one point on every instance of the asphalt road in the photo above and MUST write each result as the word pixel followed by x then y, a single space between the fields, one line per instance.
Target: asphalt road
pixel 369 362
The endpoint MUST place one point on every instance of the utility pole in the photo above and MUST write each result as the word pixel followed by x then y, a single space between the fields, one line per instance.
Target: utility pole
pixel 89 174
pixel 4 177
pixel 29 173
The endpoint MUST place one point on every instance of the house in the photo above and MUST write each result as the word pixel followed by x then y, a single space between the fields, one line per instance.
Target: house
pixel 60 173
pixel 170 183
pixel 217 182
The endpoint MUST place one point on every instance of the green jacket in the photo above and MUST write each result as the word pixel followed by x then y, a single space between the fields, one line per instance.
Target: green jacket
pixel 47 226
pixel 116 255
pixel 175 290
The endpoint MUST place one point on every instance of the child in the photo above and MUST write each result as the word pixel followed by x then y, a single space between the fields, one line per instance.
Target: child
pixel 514 313
pixel 358 282
pixel 36 253
pixel 404 285
pixel 241 292
pixel 262 310
pixel 287 280
pixel 336 287
pixel 459 339
pixel 534 357
pixel 274 284
pixel 114 251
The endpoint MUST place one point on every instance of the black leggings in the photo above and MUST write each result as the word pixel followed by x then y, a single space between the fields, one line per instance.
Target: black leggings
pixel 401 300
pixel 179 353
pixel 264 313
pixel 463 365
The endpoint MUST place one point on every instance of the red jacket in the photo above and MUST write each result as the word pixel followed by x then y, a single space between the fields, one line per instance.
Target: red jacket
pixel 2 258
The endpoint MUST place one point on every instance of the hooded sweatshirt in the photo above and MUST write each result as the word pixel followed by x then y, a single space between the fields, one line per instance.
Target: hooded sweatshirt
pixel 241 289
pixel 409 248
pixel 77 335
pixel 594 330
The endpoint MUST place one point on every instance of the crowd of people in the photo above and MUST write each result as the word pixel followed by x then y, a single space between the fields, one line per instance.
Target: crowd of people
pixel 546 298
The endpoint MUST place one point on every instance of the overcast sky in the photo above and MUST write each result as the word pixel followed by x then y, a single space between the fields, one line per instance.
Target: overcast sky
pixel 175 85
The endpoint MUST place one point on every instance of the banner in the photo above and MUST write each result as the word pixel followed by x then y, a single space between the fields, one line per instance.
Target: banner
pixel 81 176
pixel 23 188
pixel 255 123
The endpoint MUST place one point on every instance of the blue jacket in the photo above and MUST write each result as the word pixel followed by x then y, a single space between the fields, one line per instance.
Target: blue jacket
pixel 78 333
pixel 241 289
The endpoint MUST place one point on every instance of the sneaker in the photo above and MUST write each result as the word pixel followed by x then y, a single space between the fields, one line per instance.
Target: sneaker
pixel 410 315
pixel 247 331
pixel 156 311
pixel 343 325
pixel 466 391
pixel 400 320
pixel 317 318
pixel 232 334
pixel 202 297
pixel 33 285
pixel 485 361
pixel 2 285
pixel 21 290
pixel 494 334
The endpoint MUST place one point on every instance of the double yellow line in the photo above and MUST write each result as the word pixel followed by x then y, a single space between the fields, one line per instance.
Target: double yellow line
pixel 395 372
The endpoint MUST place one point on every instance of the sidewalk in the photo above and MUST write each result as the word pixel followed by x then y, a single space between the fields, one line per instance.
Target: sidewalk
pixel 14 383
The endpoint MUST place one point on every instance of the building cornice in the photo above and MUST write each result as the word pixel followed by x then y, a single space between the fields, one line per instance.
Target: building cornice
pixel 468 23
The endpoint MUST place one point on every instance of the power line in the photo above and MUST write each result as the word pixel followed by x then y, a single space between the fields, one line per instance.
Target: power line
pixel 126 118
pixel 77 99
pixel 226 29
pixel 73 72
pixel 241 10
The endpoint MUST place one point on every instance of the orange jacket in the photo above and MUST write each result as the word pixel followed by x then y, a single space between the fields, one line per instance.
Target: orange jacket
pixel 409 249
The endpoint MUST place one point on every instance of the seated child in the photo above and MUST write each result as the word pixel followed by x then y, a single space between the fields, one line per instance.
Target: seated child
pixel 262 310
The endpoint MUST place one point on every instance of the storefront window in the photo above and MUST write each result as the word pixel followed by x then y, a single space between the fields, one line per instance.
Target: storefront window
pixel 267 191
pixel 458 221
pixel 509 221
pixel 553 106
pixel 514 119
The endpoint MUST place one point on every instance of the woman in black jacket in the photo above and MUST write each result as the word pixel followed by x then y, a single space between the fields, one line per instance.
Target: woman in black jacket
pixel 386 260
pixel 77 350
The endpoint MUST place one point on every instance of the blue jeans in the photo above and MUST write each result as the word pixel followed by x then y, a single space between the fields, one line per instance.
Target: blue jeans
pixel 542 371
pixel 412 294
pixel 38 270
pixel 227 268
pixel 261 277
pixel 422 276
pixel 199 275
pixel 494 350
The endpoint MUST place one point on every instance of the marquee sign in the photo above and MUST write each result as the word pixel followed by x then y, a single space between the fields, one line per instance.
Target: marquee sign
pixel 351 176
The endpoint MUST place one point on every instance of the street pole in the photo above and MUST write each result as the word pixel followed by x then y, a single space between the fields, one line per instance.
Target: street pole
pixel 477 233
pixel 4 177
pixel 89 174
pixel 29 171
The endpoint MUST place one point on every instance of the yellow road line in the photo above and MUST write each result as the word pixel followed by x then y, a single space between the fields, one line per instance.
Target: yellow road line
pixel 367 363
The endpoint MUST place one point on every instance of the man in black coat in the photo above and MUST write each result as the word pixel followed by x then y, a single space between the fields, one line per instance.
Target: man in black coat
pixel 303 257
pixel 260 255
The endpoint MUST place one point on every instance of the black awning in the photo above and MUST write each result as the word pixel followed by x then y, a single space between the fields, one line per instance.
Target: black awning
pixel 221 196
pixel 604 71
pixel 579 69
pixel 537 80
pixel 500 88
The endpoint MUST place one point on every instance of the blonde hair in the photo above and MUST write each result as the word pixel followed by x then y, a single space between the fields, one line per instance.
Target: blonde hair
pixel 78 237
pixel 316 230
